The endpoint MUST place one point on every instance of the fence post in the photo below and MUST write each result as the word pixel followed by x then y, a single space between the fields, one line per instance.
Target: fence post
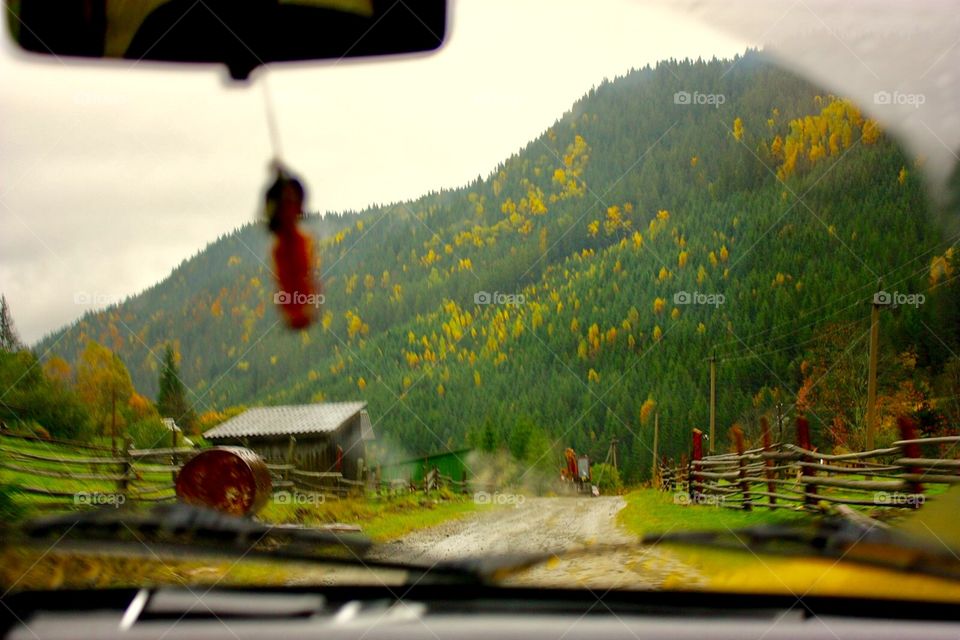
pixel 287 473
pixel 126 468
pixel 768 463
pixel 655 472
pixel 908 431
pixel 174 459
pixel 682 477
pixel 803 441
pixel 737 433
pixel 697 456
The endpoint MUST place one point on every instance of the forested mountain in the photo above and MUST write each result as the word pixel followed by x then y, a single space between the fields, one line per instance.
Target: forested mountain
pixel 696 208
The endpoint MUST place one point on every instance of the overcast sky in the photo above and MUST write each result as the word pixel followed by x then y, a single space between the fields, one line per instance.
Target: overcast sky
pixel 111 176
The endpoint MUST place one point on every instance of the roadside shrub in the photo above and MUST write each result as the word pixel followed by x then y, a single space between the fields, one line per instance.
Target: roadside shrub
pixel 149 433
pixel 607 478
pixel 10 511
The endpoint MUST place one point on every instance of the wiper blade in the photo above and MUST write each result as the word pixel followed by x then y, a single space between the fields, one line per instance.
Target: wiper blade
pixel 851 539
pixel 185 530
pixel 187 522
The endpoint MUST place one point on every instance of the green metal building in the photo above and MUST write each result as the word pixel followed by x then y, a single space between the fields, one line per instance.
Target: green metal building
pixel 452 464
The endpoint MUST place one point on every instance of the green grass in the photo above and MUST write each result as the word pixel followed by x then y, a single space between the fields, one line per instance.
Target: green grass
pixel 651 511
pixel 380 518
pixel 31 504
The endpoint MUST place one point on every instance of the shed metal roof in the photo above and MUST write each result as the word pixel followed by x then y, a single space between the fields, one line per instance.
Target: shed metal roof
pixel 288 420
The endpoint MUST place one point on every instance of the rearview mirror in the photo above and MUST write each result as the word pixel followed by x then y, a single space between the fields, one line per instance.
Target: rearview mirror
pixel 242 34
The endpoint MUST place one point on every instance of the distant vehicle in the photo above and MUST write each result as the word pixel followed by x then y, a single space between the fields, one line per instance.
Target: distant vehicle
pixel 576 474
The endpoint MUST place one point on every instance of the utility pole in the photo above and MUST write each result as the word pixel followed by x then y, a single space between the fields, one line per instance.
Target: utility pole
pixel 779 421
pixel 655 469
pixel 879 299
pixel 113 419
pixel 713 401
pixel 613 447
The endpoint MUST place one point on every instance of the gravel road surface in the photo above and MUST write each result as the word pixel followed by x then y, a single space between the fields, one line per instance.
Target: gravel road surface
pixel 549 524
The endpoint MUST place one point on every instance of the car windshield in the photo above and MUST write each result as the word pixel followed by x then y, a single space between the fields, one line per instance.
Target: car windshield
pixel 586 278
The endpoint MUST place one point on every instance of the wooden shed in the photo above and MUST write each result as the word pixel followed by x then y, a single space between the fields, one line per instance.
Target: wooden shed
pixel 307 435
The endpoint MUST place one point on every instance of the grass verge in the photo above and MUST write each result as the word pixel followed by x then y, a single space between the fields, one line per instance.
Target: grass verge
pixel 381 518
pixel 652 511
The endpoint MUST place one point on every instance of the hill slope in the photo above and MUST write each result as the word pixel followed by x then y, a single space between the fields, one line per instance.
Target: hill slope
pixel 651 226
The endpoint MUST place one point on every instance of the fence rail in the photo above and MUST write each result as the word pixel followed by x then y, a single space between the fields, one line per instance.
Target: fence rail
pixel 148 475
pixel 786 475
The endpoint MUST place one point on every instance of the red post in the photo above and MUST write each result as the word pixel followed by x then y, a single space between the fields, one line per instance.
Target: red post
pixel 737 433
pixel 803 441
pixel 908 431
pixel 768 463
pixel 697 455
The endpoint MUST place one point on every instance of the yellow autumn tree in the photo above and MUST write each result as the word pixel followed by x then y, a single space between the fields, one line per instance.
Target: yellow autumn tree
pixel 646 410
pixel 738 129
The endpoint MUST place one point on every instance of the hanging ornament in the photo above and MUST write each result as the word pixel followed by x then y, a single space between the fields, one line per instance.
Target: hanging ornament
pixel 298 293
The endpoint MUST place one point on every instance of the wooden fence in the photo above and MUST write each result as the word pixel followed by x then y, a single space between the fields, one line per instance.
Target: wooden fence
pixel 433 480
pixel 89 475
pixel 797 476
pixel 73 477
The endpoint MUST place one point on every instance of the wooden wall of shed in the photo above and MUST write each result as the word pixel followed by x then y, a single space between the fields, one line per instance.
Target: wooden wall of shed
pixel 313 451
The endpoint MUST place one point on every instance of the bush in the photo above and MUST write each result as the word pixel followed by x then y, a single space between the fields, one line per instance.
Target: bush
pixel 149 433
pixel 607 478
pixel 10 511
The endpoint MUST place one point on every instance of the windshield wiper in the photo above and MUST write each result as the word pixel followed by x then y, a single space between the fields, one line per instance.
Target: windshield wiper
pixel 859 540
pixel 181 530
pixel 851 539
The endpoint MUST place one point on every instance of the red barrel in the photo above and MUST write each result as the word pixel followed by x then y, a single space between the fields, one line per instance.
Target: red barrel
pixel 230 479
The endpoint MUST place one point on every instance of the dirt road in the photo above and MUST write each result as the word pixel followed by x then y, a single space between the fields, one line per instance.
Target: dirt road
pixel 548 524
